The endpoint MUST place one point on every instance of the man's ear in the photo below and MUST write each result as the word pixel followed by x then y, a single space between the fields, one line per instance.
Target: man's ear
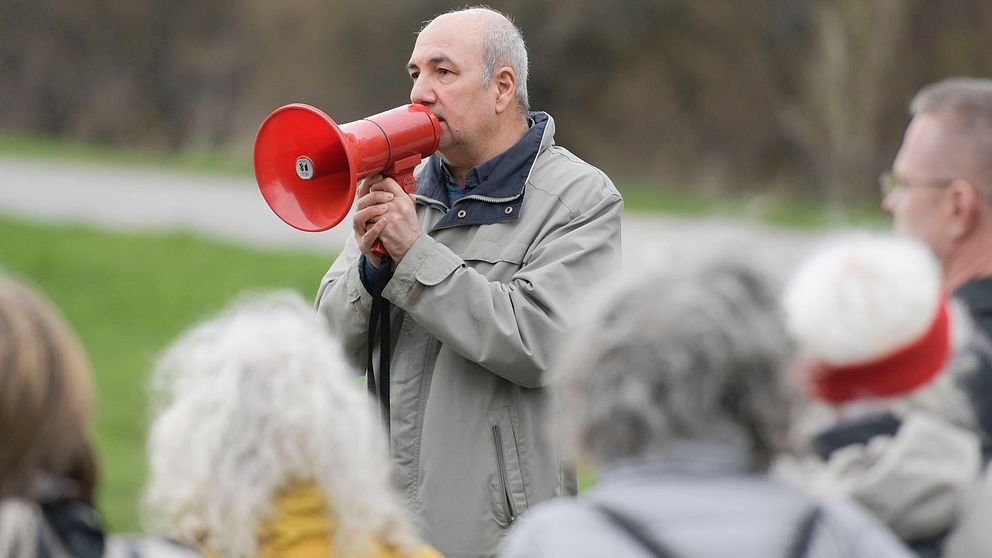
pixel 964 208
pixel 506 88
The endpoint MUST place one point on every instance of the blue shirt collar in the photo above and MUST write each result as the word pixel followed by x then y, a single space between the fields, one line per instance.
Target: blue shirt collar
pixel 502 177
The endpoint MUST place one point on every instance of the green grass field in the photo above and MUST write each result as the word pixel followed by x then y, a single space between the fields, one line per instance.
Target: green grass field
pixel 127 296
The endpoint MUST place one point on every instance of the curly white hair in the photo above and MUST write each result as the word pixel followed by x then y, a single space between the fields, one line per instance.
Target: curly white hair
pixel 250 402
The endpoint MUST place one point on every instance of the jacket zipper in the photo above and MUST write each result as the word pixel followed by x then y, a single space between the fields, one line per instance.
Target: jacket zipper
pixel 486 199
pixel 501 465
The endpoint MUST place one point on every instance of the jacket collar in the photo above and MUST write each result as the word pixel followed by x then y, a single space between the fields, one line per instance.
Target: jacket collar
pixel 977 296
pixel 851 432
pixel 684 457
pixel 495 186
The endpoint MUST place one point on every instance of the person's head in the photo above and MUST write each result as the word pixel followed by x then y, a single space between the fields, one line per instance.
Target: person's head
pixel 254 402
pixel 688 356
pixel 940 188
pixel 46 397
pixel 469 67
pixel 874 329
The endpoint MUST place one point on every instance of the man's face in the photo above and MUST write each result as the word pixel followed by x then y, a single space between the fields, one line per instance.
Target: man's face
pixel 446 68
pixel 923 168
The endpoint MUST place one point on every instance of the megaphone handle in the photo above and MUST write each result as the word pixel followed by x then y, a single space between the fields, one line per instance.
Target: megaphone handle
pixel 379 249
pixel 402 172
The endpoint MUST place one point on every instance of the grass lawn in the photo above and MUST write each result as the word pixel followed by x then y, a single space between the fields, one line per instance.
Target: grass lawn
pixel 776 212
pixel 127 296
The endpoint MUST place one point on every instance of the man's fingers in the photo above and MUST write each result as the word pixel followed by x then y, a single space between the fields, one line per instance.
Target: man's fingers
pixel 361 218
pixel 365 186
pixel 371 235
pixel 374 198
pixel 389 185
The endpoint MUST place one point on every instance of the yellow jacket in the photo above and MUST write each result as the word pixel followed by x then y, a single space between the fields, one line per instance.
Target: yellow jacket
pixel 301 528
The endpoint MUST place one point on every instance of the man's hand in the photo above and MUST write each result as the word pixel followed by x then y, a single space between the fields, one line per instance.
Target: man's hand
pixel 385 212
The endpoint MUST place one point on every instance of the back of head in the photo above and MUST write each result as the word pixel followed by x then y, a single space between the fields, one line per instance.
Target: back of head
pixel 870 319
pixel 46 396
pixel 253 402
pixel 695 355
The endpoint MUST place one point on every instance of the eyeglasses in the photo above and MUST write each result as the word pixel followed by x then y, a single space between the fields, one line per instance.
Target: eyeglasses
pixel 888 182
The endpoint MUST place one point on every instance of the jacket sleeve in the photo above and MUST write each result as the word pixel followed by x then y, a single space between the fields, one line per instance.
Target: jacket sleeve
pixel 512 329
pixel 344 304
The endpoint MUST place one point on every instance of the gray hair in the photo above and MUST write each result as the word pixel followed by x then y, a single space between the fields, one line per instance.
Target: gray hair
pixel 502 45
pixel 968 101
pixel 699 355
pixel 971 96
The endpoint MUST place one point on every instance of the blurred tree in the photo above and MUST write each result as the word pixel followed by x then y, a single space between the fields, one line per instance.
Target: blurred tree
pixel 804 97
pixel 837 118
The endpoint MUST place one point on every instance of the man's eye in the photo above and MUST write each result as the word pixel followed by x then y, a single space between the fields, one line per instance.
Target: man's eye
pixel 444 71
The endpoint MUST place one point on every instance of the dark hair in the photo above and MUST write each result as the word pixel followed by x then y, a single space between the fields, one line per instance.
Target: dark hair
pixel 45 396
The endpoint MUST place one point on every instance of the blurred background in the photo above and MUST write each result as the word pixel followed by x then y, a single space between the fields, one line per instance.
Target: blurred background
pixel 797 98
pixel 684 103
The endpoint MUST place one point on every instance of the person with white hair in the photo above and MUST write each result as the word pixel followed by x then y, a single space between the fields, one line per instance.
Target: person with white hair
pixel 262 444
pixel 892 429
pixel 673 392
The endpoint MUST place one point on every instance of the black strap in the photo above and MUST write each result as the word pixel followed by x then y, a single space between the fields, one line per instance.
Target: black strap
pixel 635 530
pixel 804 534
pixel 798 547
pixel 379 321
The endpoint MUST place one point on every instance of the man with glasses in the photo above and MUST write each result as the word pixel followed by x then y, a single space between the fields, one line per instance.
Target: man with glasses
pixel 940 187
pixel 940 192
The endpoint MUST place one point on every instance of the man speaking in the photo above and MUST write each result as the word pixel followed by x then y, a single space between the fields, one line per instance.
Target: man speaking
pixel 505 230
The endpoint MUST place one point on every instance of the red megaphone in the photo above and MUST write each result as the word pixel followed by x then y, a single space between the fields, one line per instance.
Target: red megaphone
pixel 308 167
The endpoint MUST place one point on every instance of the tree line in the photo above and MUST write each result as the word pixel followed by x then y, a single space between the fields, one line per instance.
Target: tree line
pixel 799 98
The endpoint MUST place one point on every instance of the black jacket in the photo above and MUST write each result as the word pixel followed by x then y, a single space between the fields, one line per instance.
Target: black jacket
pixel 976 358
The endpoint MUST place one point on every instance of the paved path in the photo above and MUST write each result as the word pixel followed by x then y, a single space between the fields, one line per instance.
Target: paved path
pixel 137 198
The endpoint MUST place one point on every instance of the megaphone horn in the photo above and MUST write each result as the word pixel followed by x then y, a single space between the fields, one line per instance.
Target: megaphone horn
pixel 308 167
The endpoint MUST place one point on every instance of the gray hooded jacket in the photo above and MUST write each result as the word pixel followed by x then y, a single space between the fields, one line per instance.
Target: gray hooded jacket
pixel 699 500
pixel 478 305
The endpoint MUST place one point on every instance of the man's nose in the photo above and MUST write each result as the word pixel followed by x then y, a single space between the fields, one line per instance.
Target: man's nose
pixel 888 202
pixel 422 93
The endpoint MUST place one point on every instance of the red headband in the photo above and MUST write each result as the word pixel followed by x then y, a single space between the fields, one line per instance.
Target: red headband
pixel 899 371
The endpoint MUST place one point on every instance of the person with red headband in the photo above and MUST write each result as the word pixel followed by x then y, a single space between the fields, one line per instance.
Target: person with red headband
pixel 877 337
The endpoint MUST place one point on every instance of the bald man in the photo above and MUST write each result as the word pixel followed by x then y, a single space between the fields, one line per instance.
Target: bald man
pixel 489 257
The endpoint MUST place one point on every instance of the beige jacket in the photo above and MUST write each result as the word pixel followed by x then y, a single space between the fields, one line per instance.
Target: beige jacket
pixel 972 537
pixel 916 482
pixel 479 304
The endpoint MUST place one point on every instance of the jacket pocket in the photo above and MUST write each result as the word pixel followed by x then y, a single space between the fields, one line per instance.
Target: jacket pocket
pixel 494 251
pixel 511 496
